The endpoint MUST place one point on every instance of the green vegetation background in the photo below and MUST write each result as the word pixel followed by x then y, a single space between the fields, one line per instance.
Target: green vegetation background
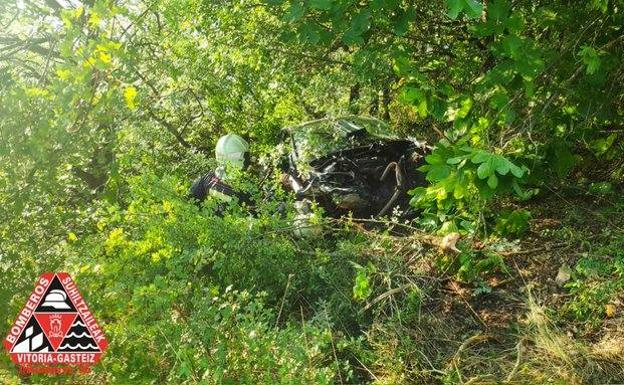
pixel 109 109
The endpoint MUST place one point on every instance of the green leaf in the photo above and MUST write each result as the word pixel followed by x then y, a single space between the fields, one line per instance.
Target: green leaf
pixel 460 191
pixel 528 63
pixel 455 7
pixel 295 11
pixel 401 23
pixel 602 145
pixel 472 8
pixel 602 5
pixel 421 108
pixel 485 169
pixel 590 58
pixel 513 223
pixel 492 181
pixel 403 66
pixel 417 192
pixel 512 45
pixel 483 29
pixel 499 100
pixel 129 95
pixel 455 160
pixel 480 157
pixel 362 288
pixel 516 171
pixel 464 109
pixel 435 158
pixel 411 95
pixel 498 10
pixel 502 165
pixel 438 108
pixel 518 190
pixel 515 23
pixel 309 33
pixel 321 4
pixel 361 22
pixel 437 173
pixel 418 195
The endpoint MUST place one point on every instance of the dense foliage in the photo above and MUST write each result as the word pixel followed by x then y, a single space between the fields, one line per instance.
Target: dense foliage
pixel 109 109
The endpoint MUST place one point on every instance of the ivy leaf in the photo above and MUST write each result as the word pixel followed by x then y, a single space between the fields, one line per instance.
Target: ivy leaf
pixel 472 8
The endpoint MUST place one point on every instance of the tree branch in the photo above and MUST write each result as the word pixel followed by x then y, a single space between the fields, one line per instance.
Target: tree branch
pixel 169 127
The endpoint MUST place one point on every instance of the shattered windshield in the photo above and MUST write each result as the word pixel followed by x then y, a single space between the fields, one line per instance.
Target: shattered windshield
pixel 315 139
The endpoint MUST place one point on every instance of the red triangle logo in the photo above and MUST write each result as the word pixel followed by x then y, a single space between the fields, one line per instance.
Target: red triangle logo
pixel 57 323
pixel 55 326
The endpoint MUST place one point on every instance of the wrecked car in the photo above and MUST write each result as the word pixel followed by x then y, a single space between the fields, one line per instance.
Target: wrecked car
pixel 352 165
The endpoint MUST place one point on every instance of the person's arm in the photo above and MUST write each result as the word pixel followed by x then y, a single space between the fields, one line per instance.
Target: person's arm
pixel 218 186
pixel 200 187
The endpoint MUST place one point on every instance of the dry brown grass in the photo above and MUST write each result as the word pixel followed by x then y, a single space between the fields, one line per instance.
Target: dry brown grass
pixel 437 349
pixel 543 354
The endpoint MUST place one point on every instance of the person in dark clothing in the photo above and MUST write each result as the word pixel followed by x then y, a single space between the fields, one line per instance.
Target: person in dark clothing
pixel 211 184
pixel 232 152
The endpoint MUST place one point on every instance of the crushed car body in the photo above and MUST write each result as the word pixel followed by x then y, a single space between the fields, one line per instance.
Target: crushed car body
pixel 353 166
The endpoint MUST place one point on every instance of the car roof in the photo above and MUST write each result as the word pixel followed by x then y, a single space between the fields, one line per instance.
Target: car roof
pixel 346 125
pixel 317 138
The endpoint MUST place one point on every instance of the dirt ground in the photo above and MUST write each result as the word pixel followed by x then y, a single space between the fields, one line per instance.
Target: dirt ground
pixel 517 332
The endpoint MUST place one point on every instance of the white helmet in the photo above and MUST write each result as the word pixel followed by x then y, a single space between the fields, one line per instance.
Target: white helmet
pixel 231 150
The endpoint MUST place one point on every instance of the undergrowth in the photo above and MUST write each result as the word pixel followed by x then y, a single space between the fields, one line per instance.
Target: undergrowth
pixel 204 299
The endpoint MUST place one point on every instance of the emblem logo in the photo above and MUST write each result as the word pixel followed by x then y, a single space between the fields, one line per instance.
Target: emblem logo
pixel 55 332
